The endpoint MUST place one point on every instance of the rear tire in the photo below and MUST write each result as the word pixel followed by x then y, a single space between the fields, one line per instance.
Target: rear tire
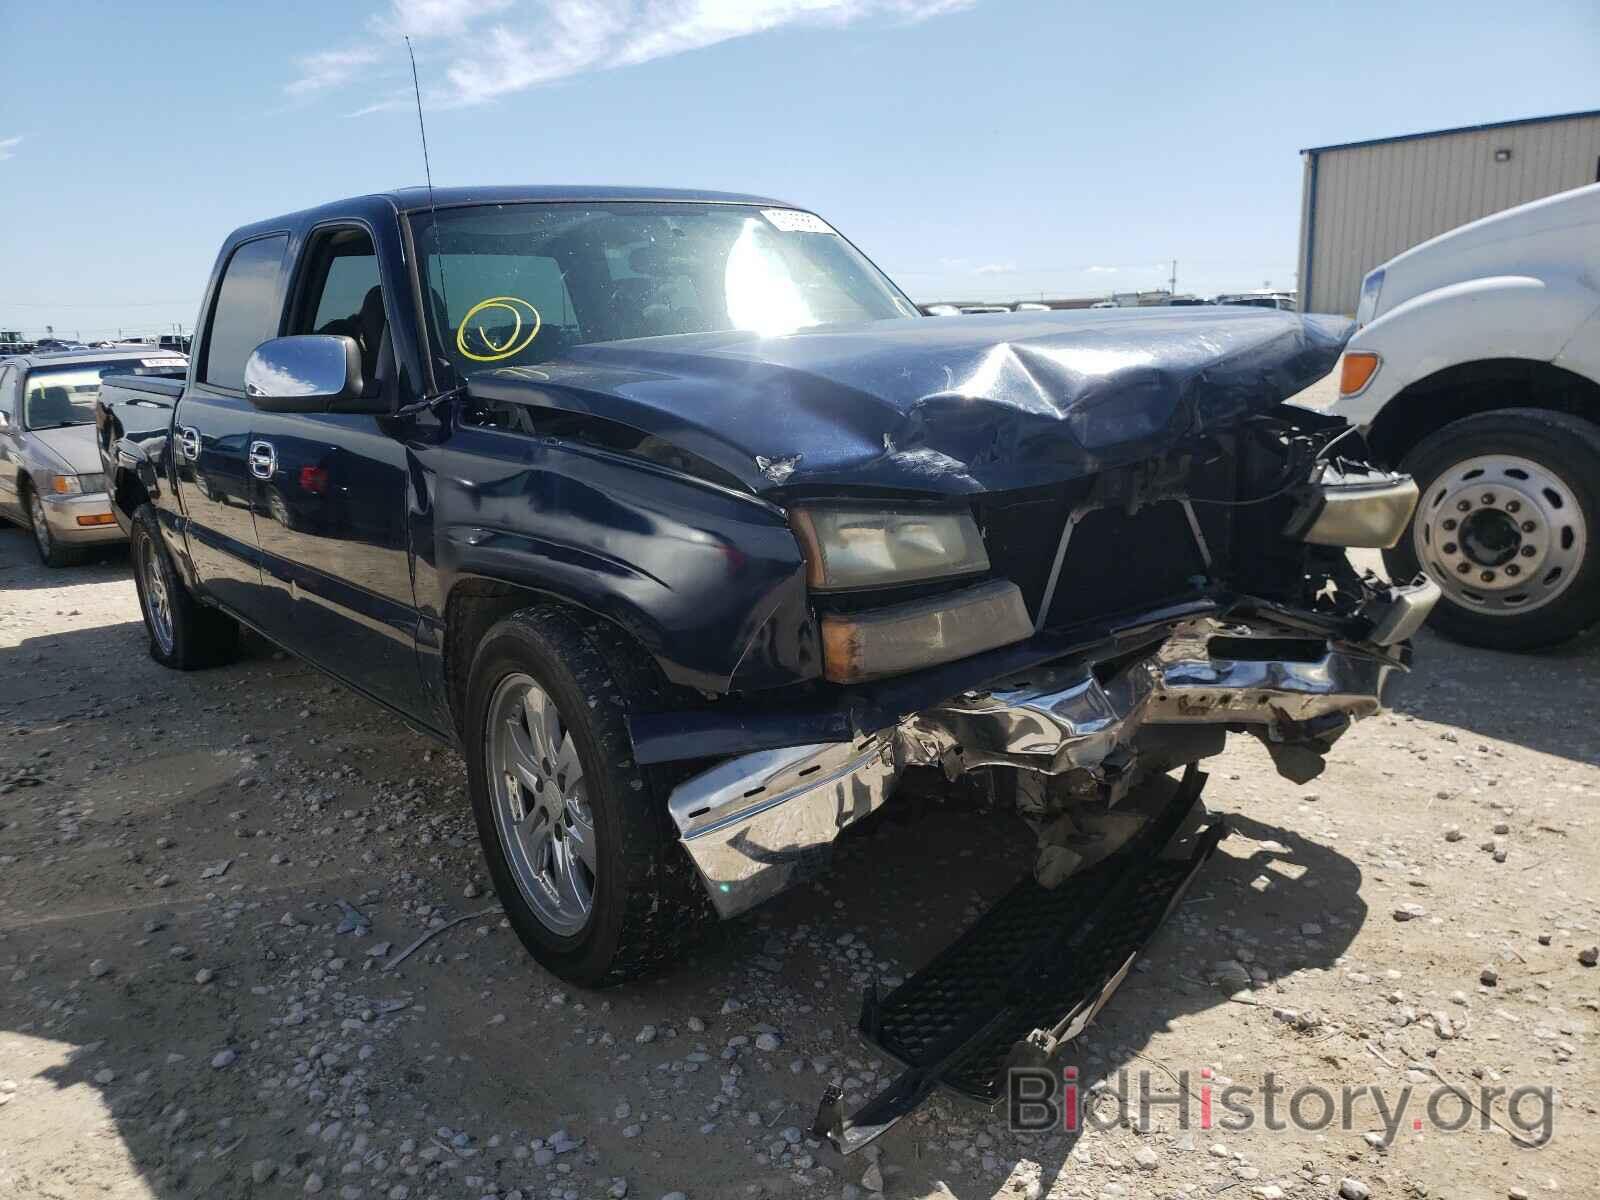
pixel 184 634
pixel 576 833
pixel 1508 525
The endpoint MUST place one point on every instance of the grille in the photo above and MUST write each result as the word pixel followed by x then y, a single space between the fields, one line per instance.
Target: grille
pixel 1115 563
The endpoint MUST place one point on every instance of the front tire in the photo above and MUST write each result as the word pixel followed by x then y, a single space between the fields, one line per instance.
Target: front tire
pixel 184 634
pixel 51 552
pixel 576 833
pixel 1507 524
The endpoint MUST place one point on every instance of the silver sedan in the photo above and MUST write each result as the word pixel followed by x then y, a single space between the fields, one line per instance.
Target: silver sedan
pixel 50 472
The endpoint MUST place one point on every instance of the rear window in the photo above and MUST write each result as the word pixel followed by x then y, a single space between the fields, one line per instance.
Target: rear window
pixel 246 310
pixel 55 397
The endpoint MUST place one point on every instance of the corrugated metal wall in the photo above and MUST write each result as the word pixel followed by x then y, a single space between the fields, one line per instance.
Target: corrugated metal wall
pixel 1373 201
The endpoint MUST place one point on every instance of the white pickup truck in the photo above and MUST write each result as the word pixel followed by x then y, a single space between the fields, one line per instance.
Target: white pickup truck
pixel 1476 369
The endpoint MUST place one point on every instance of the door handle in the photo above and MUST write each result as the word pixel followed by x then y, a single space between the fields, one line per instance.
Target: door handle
pixel 263 460
pixel 189 442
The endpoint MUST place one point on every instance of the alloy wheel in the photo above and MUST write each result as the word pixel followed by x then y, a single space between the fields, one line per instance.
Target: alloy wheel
pixel 157 596
pixel 540 805
pixel 41 525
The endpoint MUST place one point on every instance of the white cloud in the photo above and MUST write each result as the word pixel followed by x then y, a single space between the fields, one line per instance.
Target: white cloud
pixel 9 145
pixel 435 18
pixel 493 48
pixel 1004 268
pixel 1102 270
pixel 330 69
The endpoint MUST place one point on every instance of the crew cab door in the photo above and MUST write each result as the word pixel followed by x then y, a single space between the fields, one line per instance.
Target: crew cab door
pixel 212 425
pixel 332 513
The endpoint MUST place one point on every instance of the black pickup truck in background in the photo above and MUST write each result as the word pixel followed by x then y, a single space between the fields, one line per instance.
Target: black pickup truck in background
pixel 676 516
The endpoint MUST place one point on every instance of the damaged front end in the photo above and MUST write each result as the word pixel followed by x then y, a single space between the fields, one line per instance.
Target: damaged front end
pixel 1127 624
pixel 1124 625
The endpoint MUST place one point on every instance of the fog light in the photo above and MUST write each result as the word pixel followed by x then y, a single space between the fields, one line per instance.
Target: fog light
pixel 923 633
pixel 98 519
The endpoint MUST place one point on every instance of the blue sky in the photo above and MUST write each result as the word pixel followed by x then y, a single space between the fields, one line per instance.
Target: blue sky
pixel 973 148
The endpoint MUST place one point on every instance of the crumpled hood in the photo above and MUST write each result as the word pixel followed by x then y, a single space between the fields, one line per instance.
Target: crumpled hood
pixel 949 405
pixel 74 446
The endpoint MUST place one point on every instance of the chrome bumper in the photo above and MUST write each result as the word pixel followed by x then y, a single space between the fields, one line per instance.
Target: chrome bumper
pixel 757 822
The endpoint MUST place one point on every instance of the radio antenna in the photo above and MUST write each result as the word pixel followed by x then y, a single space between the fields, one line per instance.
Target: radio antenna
pixel 427 172
pixel 416 89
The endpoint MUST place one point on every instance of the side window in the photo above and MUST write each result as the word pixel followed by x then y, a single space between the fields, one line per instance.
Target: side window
pixel 246 310
pixel 340 292
pixel 8 376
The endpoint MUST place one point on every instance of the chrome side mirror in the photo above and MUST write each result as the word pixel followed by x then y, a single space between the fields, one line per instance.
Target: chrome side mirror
pixel 309 372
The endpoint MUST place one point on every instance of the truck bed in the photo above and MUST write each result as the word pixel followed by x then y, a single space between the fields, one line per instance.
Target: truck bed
pixel 132 408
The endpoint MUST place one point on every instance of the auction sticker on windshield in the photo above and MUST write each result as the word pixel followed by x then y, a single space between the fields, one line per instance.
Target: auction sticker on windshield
pixel 790 220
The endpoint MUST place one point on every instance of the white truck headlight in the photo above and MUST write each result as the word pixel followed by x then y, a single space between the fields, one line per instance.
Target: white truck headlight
pixel 850 547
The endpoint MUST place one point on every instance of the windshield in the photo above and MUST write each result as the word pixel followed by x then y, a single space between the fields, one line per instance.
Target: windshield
pixel 60 396
pixel 518 284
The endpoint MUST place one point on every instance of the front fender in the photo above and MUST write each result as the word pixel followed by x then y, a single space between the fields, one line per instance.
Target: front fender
pixel 1504 317
pixel 709 582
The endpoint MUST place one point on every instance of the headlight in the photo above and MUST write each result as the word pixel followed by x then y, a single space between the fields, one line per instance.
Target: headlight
pixel 872 547
pixel 1341 509
pixel 1371 289
pixel 76 485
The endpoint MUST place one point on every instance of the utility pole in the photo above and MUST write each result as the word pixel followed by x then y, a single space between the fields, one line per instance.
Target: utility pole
pixel 1172 284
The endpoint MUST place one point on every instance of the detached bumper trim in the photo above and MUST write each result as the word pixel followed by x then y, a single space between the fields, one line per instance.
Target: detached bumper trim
pixel 1400 614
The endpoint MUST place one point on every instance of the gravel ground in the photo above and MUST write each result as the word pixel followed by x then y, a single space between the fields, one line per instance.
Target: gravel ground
pixel 202 877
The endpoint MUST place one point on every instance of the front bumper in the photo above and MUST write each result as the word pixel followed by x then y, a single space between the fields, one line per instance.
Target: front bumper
pixel 758 822
pixel 62 513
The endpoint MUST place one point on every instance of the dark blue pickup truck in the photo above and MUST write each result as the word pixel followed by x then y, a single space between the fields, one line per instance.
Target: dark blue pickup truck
pixel 673 514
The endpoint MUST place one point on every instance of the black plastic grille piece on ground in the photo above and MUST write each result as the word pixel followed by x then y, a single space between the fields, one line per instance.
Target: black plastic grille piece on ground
pixel 1030 963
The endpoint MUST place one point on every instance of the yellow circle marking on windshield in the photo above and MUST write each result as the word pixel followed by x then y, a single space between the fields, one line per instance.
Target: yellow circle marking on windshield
pixel 515 344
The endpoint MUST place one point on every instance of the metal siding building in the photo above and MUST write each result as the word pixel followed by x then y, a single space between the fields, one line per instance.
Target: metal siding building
pixel 1365 202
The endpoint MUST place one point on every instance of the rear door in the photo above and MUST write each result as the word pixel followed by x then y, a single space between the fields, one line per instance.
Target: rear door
pixel 10 436
pixel 332 517
pixel 213 425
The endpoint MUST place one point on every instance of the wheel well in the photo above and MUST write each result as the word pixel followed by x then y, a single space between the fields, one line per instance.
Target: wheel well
pixel 129 492
pixel 472 610
pixel 1476 387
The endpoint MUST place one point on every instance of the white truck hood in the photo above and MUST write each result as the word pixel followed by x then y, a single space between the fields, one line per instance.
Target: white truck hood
pixel 1553 237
